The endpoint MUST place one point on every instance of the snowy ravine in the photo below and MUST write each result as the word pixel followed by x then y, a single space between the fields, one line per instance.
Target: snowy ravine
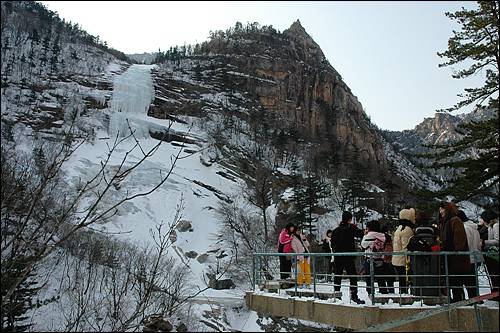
pixel 133 92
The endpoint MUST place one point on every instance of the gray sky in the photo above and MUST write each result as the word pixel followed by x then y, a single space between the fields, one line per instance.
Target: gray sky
pixel 385 51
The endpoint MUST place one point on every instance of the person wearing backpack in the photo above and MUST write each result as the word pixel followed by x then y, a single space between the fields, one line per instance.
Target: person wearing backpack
pixel 343 241
pixel 374 241
pixel 300 245
pixel 402 235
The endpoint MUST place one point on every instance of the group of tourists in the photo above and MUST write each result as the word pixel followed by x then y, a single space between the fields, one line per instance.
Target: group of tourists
pixel 454 233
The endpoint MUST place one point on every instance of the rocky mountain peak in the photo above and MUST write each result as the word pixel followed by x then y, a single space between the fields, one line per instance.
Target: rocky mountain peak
pixel 297 28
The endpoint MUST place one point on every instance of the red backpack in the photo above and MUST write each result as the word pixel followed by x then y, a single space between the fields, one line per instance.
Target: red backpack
pixel 387 258
pixel 378 245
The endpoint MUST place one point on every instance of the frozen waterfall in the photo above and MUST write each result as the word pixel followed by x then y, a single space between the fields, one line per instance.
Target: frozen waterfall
pixel 133 92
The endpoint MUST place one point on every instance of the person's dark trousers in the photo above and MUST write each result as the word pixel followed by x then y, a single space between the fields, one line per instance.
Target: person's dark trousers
pixel 381 280
pixel 285 268
pixel 329 269
pixel 389 279
pixel 401 271
pixel 492 266
pixel 346 263
pixel 470 282
pixel 456 286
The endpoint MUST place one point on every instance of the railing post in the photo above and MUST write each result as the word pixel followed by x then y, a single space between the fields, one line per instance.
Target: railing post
pixel 447 277
pixel 476 276
pixel 296 274
pixel 476 309
pixel 314 274
pixel 253 271
pixel 372 282
pixel 258 270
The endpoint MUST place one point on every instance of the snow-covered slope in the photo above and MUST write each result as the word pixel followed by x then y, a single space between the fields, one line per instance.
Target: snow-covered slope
pixel 191 183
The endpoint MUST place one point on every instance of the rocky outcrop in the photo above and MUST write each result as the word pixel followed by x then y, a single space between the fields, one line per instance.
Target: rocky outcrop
pixel 442 129
pixel 291 78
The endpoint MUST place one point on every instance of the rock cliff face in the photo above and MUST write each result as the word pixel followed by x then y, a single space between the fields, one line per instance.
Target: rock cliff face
pixel 291 78
pixel 438 130
pixel 441 129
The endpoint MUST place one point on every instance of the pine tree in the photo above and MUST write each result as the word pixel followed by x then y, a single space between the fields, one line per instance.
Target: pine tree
pixel 13 316
pixel 476 43
pixel 314 190
pixel 298 196
pixel 307 194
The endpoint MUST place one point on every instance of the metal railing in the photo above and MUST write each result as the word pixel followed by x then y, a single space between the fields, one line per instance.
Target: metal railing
pixel 442 277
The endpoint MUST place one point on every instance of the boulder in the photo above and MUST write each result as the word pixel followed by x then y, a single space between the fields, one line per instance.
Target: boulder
pixel 202 258
pixel 183 226
pixel 173 236
pixel 182 327
pixel 219 284
pixel 191 254
pixel 157 324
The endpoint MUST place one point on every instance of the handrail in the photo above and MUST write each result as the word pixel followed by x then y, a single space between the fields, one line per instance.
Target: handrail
pixel 359 253
pixel 429 313
pixel 443 276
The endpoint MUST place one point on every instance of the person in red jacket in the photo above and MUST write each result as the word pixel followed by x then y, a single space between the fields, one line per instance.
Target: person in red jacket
pixel 285 246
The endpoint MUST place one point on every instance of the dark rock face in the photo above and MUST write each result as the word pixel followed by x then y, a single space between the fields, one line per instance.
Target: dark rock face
pixel 290 77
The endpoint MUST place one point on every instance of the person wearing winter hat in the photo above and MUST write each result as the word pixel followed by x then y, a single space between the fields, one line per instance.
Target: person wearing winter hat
pixel 407 219
pixel 476 258
pixel 490 219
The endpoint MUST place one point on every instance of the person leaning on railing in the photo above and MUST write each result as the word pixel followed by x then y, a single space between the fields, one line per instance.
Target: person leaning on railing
pixel 490 219
pixel 402 235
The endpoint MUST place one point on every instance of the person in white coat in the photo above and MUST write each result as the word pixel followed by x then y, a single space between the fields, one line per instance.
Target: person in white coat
pixel 490 219
pixel 476 258
pixel 402 235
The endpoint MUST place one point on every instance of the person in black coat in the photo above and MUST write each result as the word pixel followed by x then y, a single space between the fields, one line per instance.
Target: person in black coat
pixel 343 241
